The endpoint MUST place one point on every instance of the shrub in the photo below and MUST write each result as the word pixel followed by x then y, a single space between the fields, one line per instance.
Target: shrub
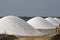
pixel 56 37
pixel 7 37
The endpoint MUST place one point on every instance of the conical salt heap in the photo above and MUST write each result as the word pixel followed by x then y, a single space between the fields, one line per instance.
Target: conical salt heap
pixel 40 23
pixel 52 21
pixel 57 19
pixel 13 25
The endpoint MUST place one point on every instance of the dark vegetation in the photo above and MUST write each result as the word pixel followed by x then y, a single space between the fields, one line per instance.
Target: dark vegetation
pixel 7 37
pixel 26 18
pixel 56 37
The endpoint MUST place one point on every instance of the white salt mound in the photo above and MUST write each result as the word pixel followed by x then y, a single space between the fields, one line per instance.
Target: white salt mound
pixel 57 19
pixel 52 21
pixel 13 25
pixel 40 23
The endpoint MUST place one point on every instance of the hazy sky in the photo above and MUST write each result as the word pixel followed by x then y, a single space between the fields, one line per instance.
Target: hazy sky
pixel 30 7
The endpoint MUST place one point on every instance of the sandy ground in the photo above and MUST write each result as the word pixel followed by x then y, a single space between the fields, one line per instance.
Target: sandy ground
pixel 34 38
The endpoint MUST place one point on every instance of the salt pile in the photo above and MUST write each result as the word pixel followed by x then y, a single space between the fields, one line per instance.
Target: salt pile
pixel 52 21
pixel 13 25
pixel 57 19
pixel 40 23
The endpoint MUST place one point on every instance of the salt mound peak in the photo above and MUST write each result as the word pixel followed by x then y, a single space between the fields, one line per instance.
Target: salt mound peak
pixel 52 21
pixel 40 23
pixel 13 25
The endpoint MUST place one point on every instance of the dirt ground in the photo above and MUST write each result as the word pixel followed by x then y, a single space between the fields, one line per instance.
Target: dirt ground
pixel 34 38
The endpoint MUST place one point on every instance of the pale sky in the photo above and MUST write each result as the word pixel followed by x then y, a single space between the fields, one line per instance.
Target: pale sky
pixel 30 7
